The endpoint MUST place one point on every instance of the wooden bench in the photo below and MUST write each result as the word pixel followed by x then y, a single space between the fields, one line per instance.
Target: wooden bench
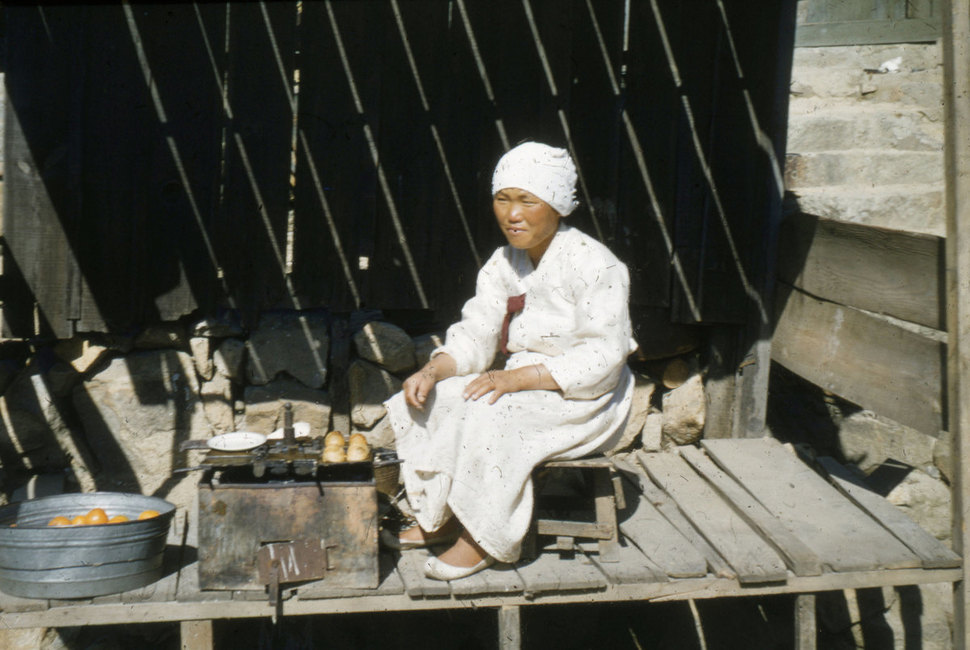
pixel 602 496
pixel 740 517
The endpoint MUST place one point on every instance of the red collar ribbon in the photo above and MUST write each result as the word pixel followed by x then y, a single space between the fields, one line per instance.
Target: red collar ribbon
pixel 514 305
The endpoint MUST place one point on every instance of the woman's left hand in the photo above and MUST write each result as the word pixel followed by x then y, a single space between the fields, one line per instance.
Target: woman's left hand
pixel 496 382
pixel 500 382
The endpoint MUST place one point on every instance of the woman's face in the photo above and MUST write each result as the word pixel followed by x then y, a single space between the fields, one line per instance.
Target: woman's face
pixel 528 222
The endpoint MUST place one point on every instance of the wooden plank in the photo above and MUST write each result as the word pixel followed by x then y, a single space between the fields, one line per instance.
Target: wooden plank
pixel 552 572
pixel 10 603
pixel 657 549
pixel 71 614
pixel 857 356
pixel 643 525
pixel 956 100
pixel 876 269
pixel 497 579
pixel 336 192
pixel 752 558
pixel 631 567
pixel 254 209
pixel 844 537
pixel 660 541
pixel 799 558
pixel 416 584
pixel 934 554
pixel 141 242
pixel 41 204
pixel 591 462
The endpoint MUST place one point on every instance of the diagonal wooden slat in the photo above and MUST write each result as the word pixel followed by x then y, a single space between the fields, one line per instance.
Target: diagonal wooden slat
pixel 933 553
pixel 800 559
pixel 744 549
pixel 666 506
pixel 844 537
pixel 662 544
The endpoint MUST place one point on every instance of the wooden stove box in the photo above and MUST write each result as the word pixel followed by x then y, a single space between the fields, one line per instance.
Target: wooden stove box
pixel 236 519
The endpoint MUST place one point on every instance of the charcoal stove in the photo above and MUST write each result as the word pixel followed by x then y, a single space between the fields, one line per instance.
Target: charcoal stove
pixel 279 514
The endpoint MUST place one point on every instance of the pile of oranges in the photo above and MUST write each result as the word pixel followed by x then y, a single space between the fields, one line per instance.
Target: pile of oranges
pixel 97 516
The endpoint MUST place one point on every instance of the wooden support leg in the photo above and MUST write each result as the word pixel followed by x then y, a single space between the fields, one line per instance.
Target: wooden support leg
pixel 609 549
pixel 509 627
pixel 197 635
pixel 806 630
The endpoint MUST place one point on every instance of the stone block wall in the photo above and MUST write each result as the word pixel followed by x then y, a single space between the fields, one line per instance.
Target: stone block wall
pixel 865 135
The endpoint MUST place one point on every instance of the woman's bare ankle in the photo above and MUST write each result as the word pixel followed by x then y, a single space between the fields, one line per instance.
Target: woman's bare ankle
pixel 418 534
pixel 465 552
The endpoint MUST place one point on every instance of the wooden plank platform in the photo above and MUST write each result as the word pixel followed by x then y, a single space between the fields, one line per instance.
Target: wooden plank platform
pixel 742 495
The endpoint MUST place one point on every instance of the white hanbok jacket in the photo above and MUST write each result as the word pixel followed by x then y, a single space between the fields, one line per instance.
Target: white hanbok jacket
pixel 474 459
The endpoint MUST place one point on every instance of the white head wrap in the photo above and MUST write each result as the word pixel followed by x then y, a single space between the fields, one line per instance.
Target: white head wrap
pixel 545 171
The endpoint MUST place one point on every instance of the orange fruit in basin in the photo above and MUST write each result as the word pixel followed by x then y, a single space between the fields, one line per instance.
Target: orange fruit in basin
pixel 118 519
pixel 96 516
pixel 148 514
pixel 80 520
pixel 59 521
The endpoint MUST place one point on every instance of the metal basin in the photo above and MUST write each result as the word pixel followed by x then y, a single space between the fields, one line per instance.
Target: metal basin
pixel 41 561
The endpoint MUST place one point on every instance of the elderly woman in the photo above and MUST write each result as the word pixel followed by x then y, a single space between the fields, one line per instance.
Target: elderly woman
pixel 554 303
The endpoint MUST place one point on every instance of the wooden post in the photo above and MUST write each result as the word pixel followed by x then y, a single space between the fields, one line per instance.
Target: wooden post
pixel 956 89
pixel 196 635
pixel 806 631
pixel 509 627
pixel 751 372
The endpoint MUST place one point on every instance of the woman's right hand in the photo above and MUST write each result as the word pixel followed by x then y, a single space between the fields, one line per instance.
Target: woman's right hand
pixel 418 386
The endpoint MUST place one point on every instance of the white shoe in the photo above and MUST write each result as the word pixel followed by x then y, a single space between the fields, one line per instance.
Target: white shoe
pixel 438 570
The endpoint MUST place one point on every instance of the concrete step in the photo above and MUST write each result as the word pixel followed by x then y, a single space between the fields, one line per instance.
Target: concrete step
pixel 853 72
pixel 864 168
pixel 912 56
pixel 835 127
pixel 923 88
pixel 915 208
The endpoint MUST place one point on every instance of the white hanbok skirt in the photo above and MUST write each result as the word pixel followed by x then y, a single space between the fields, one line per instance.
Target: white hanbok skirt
pixel 475 460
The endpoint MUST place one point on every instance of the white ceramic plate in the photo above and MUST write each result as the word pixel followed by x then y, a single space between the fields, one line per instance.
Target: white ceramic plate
pixel 236 441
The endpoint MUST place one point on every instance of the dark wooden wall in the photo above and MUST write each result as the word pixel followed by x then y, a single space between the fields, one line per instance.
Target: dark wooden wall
pixel 168 159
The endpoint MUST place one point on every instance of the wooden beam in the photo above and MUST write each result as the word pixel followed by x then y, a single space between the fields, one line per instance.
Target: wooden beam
pixel 751 374
pixel 876 269
pixel 867 360
pixel 956 100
